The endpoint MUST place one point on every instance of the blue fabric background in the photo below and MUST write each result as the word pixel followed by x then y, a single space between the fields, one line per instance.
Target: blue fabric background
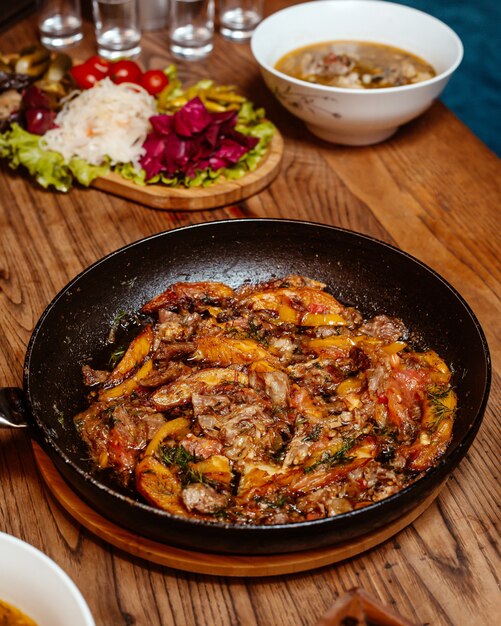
pixel 474 91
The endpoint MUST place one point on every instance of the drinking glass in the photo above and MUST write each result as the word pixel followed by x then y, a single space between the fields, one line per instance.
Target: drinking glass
pixel 59 22
pixel 239 18
pixel 191 28
pixel 117 28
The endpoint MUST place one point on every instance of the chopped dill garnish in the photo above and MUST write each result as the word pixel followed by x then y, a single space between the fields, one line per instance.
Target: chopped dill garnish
pixel 279 455
pixel 436 397
pixel 119 321
pixel 116 356
pixel 387 432
pixel 177 455
pixel 119 317
pixel 221 514
pixel 234 332
pixel 314 434
pixel 340 457
pixel 254 329
pixel 278 503
pixel 181 458
pixel 60 417
pixel 256 332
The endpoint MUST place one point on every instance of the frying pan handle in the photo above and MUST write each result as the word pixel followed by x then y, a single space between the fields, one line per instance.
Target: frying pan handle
pixel 12 408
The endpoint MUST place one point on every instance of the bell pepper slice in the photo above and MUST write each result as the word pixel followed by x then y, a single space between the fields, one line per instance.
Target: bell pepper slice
pixel 129 385
pixel 137 351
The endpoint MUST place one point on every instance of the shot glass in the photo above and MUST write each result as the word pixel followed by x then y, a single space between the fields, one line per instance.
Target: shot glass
pixel 239 18
pixel 191 28
pixel 118 33
pixel 59 23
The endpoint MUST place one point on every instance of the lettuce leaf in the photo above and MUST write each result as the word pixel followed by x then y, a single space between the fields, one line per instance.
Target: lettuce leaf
pixel 21 148
pixel 86 173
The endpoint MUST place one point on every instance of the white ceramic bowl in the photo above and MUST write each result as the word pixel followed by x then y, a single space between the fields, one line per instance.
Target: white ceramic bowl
pixel 355 116
pixel 36 585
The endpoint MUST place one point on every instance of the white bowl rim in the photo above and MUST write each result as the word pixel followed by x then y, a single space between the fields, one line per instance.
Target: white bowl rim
pixel 71 587
pixel 359 92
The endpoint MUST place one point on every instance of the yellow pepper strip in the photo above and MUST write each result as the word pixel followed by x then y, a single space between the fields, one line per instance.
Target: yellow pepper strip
pixel 214 107
pixel 214 310
pixel 287 314
pixel 444 430
pixel 129 385
pixel 178 103
pixel 159 485
pixel 363 451
pixel 371 341
pixel 322 319
pixel 350 385
pixel 180 391
pixel 216 468
pixel 394 347
pixel 440 374
pixel 444 407
pixel 262 367
pixel 178 428
pixel 224 96
pixel 255 477
pixel 103 459
pixel 352 401
pixel 331 342
pixel 137 351
pixel 224 351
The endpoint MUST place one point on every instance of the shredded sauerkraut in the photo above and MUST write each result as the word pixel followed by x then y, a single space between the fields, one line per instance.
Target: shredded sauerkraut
pixel 108 121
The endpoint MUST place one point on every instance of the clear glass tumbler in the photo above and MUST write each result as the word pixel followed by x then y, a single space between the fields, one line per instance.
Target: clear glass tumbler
pixel 191 28
pixel 59 23
pixel 239 18
pixel 117 28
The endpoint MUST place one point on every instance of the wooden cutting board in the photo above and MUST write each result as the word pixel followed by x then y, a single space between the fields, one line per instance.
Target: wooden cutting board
pixel 199 198
pixel 205 562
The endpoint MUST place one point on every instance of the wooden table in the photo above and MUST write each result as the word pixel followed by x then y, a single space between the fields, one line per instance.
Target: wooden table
pixel 434 191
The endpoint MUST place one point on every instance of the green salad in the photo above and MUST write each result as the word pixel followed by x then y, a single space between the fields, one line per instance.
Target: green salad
pixel 180 137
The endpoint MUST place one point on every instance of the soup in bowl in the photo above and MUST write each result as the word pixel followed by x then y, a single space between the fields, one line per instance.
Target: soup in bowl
pixel 314 59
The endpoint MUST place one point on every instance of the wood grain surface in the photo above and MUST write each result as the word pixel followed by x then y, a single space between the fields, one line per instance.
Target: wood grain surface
pixel 206 562
pixel 434 191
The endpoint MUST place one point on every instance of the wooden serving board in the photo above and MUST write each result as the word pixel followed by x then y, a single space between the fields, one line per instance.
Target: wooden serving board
pixel 208 563
pixel 199 198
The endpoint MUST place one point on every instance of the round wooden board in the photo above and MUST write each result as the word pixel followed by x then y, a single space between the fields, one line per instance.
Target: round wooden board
pixel 199 198
pixel 204 562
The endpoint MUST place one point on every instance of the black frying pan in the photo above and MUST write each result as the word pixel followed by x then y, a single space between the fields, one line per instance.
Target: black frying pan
pixel 360 271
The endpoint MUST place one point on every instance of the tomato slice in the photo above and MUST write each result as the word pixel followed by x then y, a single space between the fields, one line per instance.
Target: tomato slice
pixel 154 81
pixel 125 71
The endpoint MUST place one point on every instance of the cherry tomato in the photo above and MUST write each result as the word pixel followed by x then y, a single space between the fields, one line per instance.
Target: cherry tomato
pixel 154 81
pixel 85 76
pixel 100 65
pixel 125 72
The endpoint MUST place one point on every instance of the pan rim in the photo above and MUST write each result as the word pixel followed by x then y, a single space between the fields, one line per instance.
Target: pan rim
pixel 451 458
